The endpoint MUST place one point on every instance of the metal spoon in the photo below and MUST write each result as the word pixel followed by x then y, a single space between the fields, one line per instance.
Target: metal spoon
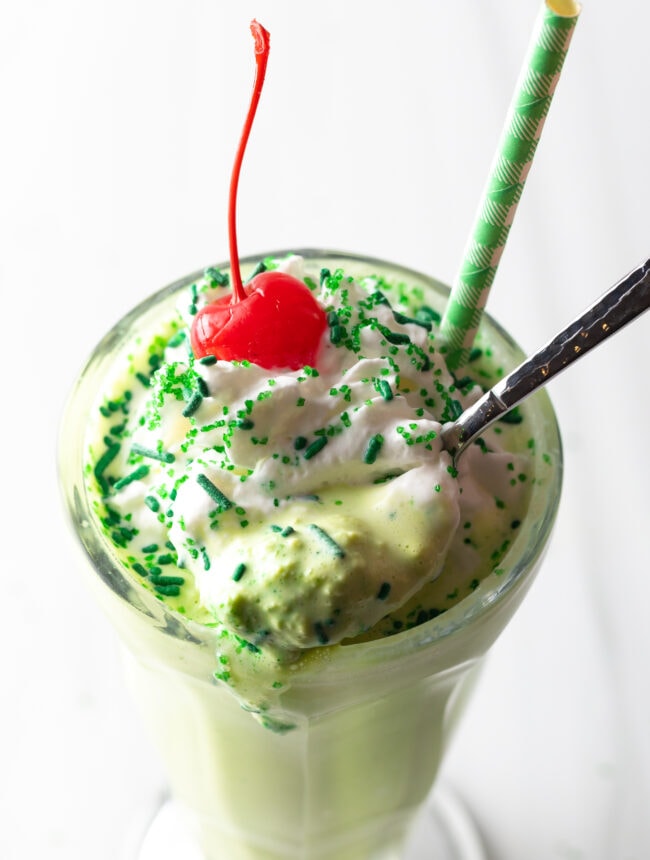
pixel 625 301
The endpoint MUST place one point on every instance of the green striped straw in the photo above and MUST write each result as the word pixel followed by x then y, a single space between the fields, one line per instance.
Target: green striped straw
pixel 519 138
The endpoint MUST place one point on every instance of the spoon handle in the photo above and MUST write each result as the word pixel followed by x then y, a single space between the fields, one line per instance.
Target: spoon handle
pixel 626 300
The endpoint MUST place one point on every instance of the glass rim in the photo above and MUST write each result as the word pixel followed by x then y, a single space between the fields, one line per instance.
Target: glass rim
pixel 105 560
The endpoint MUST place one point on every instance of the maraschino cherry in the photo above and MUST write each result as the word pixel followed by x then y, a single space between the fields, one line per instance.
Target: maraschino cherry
pixel 274 321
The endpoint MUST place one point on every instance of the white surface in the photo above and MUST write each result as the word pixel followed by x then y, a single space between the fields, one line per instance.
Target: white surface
pixel 375 134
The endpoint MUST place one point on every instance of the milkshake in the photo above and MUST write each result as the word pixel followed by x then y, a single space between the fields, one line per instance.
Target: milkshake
pixel 304 581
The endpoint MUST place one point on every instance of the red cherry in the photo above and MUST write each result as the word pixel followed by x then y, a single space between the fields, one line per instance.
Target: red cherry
pixel 274 321
pixel 279 324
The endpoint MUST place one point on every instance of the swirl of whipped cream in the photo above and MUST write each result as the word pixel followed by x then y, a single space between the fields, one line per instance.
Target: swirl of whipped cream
pixel 305 505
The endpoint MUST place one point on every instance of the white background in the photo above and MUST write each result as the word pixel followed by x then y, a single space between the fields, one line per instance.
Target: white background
pixel 119 122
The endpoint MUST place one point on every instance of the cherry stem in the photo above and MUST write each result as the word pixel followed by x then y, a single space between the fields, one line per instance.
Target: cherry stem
pixel 262 47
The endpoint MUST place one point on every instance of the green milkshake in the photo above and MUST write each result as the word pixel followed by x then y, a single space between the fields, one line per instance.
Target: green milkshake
pixel 303 580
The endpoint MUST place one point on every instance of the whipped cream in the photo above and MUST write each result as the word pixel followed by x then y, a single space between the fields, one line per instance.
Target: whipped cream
pixel 297 509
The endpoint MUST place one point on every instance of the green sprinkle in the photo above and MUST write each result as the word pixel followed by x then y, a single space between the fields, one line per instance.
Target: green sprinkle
pixel 316 446
pixel 240 570
pixel 104 462
pixel 119 537
pixel 396 337
pixel 337 334
pixel 139 568
pixel 464 382
pixel 223 502
pixel 383 387
pixel 176 340
pixel 167 580
pixel 208 360
pixel 299 443
pixel 250 646
pixel 384 591
pixel 152 503
pixel 149 548
pixel 193 404
pixel 140 472
pixel 453 410
pixel 216 277
pixel 327 539
pixel 514 416
pixel 259 268
pixel 287 530
pixel 373 448
pixel 245 424
pixel 168 590
pixel 425 314
pixel 404 320
pixel 163 456
pixel 378 298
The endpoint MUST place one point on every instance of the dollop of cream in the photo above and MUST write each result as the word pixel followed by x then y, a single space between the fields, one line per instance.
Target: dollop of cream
pixel 303 507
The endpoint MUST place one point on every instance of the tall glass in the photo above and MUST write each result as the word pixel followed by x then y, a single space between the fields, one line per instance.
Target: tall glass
pixel 372 720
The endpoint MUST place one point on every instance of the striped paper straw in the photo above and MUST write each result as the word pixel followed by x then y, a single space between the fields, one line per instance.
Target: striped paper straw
pixel 519 138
